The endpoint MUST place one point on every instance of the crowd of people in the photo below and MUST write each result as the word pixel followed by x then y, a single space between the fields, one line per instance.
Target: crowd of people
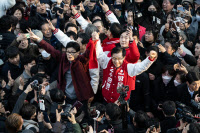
pixel 109 66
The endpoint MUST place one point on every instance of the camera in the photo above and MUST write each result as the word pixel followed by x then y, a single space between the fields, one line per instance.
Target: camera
pixel 184 113
pixel 195 105
pixel 36 86
pixel 66 114
pixel 122 90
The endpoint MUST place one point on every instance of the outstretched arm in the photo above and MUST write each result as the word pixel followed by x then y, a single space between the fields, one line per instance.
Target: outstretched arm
pixel 138 68
pixel 79 18
pixel 62 37
pixel 102 58
pixel 134 54
pixel 46 46
pixel 109 14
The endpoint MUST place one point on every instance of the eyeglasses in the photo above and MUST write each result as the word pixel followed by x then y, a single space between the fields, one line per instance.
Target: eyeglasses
pixel 72 53
pixel 115 59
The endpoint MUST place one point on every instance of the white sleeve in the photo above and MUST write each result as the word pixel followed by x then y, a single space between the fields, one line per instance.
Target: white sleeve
pixel 81 21
pixel 138 68
pixel 62 37
pixel 111 17
pixel 94 74
pixel 7 4
pixel 102 58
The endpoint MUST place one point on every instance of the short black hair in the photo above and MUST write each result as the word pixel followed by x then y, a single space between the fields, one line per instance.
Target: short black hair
pixel 169 108
pixel 43 23
pixel 118 49
pixel 141 119
pixel 71 33
pixel 98 20
pixel 116 30
pixel 39 77
pixel 173 42
pixel 23 25
pixel 182 76
pixel 113 111
pixel 34 70
pixel 70 25
pixel 194 128
pixel 12 51
pixel 101 108
pixel 74 45
pixel 5 23
pixel 94 15
pixel 154 48
pixel 191 77
pixel 57 96
pixel 172 2
pixel 14 21
pixel 28 59
pixel 27 111
pixel 85 38
pixel 170 69
pixel 34 23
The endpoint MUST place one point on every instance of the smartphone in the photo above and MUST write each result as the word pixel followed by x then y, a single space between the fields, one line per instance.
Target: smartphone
pixel 55 9
pixel 27 35
pixel 182 9
pixel 78 105
pixel 41 104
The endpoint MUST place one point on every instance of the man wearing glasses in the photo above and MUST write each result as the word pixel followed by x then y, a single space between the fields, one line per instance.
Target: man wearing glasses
pixel 117 71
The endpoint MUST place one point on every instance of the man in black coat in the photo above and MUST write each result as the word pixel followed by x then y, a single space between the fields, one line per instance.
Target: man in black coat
pixel 113 114
pixel 13 64
pixel 169 110
pixel 140 97
pixel 6 36
pixel 190 90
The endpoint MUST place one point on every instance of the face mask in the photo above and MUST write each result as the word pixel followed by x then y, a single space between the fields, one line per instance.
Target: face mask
pixel 176 83
pixel 166 79
pixel 198 18
pixel 152 13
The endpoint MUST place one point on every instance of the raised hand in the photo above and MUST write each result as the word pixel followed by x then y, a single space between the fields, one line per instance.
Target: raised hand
pixel 72 119
pixel 104 6
pixel 95 36
pixel 28 89
pixel 21 37
pixel 74 11
pixel 61 16
pixel 161 48
pixel 130 33
pixel 51 25
pixel 153 54
pixel 32 35
pixel 10 80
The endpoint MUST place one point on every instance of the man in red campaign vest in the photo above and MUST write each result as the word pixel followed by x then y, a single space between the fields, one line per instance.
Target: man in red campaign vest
pixel 117 71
